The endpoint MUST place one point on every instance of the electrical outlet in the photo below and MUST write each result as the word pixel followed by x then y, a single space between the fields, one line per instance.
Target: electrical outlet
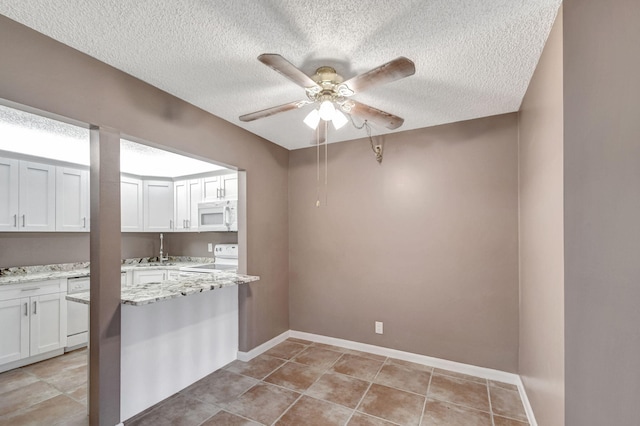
pixel 210 247
pixel 378 327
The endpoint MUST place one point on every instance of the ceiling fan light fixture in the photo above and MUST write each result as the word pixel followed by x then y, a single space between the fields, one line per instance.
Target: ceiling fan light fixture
pixel 327 110
pixel 339 120
pixel 312 119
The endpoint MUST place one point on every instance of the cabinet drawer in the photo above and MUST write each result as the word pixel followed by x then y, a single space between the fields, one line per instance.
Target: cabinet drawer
pixel 35 288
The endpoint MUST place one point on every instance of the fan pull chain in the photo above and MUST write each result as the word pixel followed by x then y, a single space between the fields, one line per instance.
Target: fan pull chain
pixel 326 163
pixel 318 167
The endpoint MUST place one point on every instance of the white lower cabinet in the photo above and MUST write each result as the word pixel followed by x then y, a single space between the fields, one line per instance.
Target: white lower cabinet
pixel 33 318
pixel 149 276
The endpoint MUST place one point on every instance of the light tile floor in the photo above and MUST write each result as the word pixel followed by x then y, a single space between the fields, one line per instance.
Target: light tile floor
pixel 51 392
pixel 295 383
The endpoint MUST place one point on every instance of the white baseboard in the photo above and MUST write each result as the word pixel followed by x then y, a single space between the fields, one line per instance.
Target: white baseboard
pixel 248 356
pixel 458 367
pixel 527 405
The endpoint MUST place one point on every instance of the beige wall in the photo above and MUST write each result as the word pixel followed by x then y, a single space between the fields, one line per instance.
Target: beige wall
pixel 425 242
pixel 602 211
pixel 44 248
pixel 42 73
pixel 541 360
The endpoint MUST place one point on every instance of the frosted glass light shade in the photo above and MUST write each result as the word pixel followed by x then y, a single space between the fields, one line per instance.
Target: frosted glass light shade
pixel 339 120
pixel 327 110
pixel 312 119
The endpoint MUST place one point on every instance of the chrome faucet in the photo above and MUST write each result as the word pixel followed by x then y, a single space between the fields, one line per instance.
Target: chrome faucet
pixel 161 258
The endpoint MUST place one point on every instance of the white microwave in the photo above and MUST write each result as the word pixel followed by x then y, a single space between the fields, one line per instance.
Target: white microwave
pixel 218 216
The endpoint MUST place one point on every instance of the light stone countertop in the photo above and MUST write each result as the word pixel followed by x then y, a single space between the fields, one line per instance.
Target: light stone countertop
pixel 28 274
pixel 139 294
pixel 144 294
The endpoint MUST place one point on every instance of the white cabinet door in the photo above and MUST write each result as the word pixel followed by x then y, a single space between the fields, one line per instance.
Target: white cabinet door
pixel 37 197
pixel 149 276
pixel 72 200
pixel 131 204
pixel 158 206
pixel 9 193
pixel 222 187
pixel 195 197
pixel 211 188
pixel 182 204
pixel 48 322
pixel 188 193
pixel 14 332
pixel 229 186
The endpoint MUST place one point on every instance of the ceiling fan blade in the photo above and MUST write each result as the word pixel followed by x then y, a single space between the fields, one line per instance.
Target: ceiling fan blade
pixel 394 70
pixel 287 69
pixel 273 110
pixel 372 114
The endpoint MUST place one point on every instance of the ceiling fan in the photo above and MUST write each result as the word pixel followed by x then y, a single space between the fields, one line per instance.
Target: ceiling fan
pixel 329 89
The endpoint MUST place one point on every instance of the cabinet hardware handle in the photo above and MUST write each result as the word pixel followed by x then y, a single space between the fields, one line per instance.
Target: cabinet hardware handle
pixel 223 192
pixel 170 224
pixel 30 289
pixel 189 223
pixel 84 222
pixel 23 220
pixel 35 307
pixel 15 220
pixel 26 309
pixel 184 223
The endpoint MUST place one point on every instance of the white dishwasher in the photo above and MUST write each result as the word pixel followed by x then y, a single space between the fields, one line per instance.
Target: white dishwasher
pixel 77 315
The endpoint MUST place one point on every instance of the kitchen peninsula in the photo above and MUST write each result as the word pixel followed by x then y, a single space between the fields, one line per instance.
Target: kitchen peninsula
pixel 174 332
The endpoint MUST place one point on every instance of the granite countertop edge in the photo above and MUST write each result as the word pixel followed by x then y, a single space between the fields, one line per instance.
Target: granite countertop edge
pixel 153 292
pixel 28 274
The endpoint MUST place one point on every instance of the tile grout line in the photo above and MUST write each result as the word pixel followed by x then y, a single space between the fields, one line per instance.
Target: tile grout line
pixel 368 388
pixel 493 423
pixel 426 396
pixel 326 370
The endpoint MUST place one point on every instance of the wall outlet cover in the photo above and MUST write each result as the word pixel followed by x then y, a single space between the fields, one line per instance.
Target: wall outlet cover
pixel 210 247
pixel 379 327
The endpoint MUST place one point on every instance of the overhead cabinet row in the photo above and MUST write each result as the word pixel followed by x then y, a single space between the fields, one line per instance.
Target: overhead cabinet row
pixel 39 197
pixel 168 206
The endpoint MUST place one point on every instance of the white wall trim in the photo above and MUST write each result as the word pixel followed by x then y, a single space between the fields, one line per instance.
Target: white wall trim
pixel 528 409
pixel 458 367
pixel 248 356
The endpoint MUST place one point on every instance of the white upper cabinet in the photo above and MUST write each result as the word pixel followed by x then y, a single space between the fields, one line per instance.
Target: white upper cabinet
pixel 72 200
pixel 195 197
pixel 37 199
pixel 27 196
pixel 158 206
pixel 221 187
pixel 131 205
pixel 211 188
pixel 229 186
pixel 181 203
pixel 187 195
pixel 9 194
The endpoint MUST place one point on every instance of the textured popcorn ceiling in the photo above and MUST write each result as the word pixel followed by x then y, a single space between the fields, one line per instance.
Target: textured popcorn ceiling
pixel 474 58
